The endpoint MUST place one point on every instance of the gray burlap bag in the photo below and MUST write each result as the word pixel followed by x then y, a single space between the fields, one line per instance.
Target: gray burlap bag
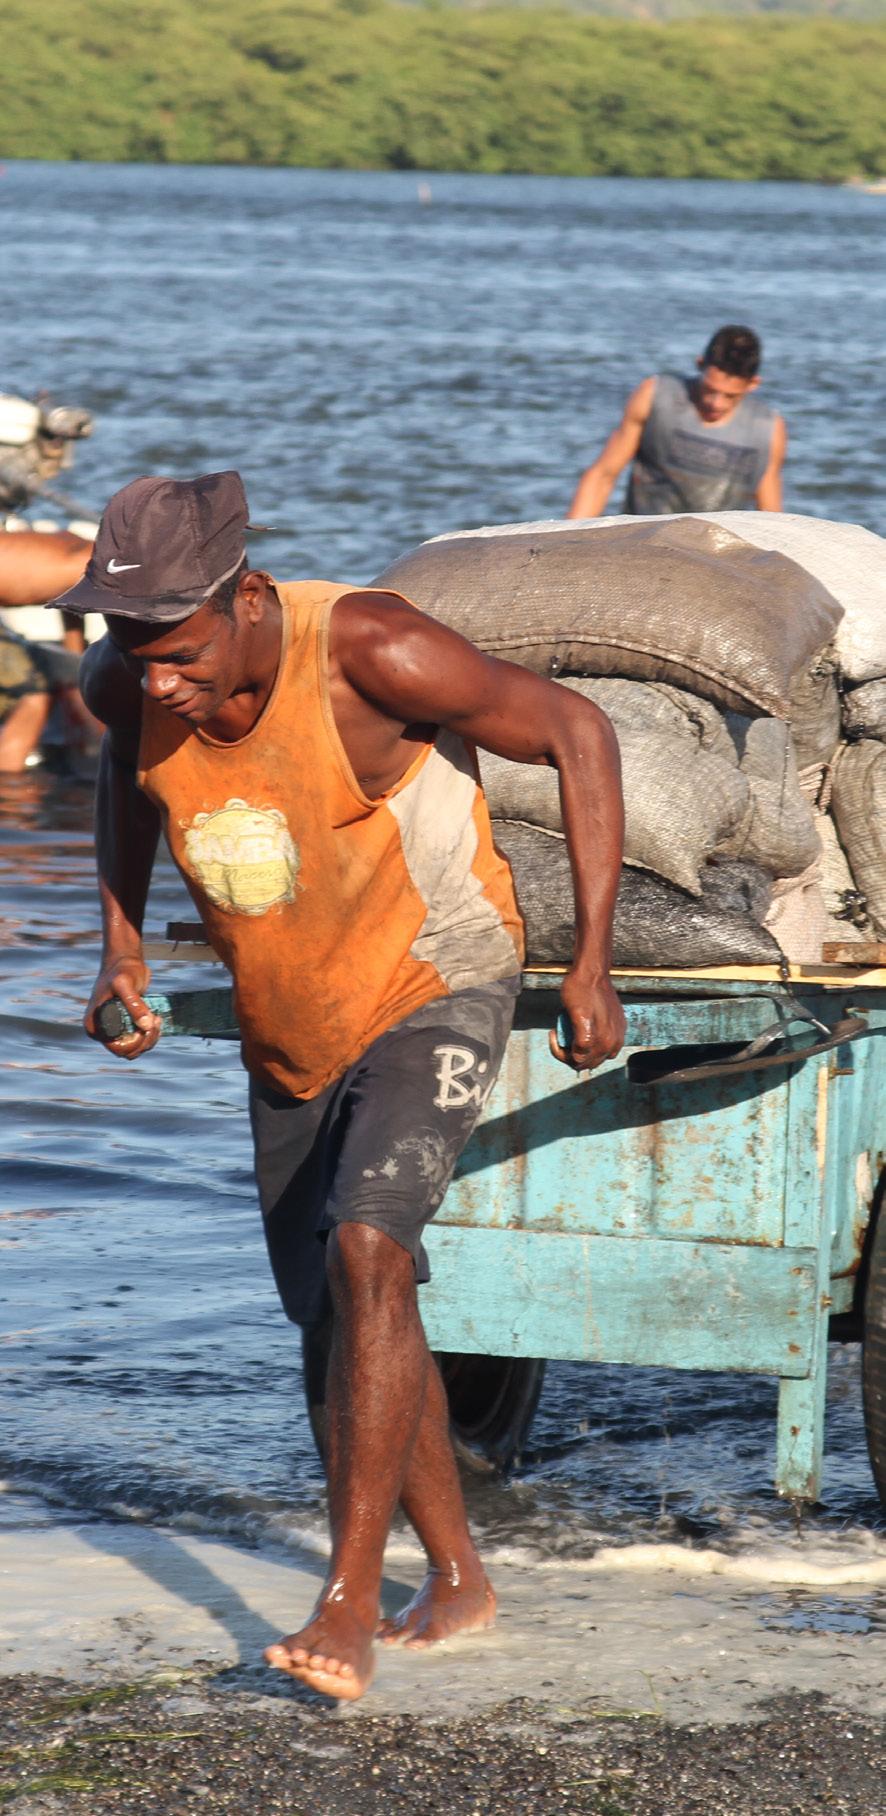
pixel 798 917
pixel 779 833
pixel 845 906
pixel 858 804
pixel 703 718
pixel 656 706
pixel 846 559
pixel 864 711
pixel 655 924
pixel 681 800
pixel 849 561
pixel 663 599
pixel 815 711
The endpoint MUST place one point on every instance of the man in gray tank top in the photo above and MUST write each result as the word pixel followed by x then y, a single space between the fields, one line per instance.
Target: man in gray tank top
pixel 704 443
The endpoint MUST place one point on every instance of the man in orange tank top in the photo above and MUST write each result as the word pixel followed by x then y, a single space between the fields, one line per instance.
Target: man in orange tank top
pixel 308 751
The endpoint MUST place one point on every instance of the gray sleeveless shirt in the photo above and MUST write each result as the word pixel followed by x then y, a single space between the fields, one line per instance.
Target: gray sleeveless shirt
pixel 685 464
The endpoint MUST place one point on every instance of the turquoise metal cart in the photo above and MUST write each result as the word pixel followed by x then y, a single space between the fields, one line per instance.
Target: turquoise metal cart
pixel 709 1200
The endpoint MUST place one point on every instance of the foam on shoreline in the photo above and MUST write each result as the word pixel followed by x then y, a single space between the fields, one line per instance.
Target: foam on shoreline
pixel 687 1636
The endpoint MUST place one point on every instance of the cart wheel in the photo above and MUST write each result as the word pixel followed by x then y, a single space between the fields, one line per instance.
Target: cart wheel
pixel 874 1357
pixel 492 1401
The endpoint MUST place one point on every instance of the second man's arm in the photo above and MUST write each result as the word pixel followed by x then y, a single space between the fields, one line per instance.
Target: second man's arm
pixel 596 483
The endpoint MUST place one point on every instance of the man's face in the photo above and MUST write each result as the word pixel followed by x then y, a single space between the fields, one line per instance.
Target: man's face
pixel 191 669
pixel 717 393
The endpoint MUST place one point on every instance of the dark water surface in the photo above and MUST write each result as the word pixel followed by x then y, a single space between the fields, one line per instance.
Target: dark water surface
pixel 379 371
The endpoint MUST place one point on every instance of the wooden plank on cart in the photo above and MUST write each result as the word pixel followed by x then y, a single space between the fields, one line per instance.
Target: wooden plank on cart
pixel 655 1303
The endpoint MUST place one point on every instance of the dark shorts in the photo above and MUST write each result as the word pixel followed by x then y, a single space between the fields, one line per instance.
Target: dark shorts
pixel 378 1146
pixel 32 668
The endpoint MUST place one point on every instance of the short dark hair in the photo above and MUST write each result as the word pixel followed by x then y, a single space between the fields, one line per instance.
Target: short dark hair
pixel 735 350
pixel 222 600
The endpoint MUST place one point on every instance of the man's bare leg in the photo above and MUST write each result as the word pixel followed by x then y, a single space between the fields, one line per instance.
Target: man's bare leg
pixel 377 1375
pixel 456 1595
pixel 22 730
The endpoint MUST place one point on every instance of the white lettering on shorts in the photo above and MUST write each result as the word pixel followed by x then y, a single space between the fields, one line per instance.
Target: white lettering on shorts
pixel 456 1064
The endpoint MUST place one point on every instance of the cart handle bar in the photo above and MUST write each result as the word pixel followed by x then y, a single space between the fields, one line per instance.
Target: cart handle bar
pixel 656 1067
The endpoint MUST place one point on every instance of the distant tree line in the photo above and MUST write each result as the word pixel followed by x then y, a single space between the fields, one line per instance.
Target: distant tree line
pixel 370 84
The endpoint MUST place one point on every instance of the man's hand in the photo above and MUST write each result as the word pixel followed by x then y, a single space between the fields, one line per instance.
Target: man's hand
pixel 125 978
pixel 597 1020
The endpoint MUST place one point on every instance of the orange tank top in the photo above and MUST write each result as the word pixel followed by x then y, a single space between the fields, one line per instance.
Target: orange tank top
pixel 337 915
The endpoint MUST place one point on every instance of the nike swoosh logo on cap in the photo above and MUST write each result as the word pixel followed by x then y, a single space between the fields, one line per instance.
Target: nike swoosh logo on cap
pixel 122 567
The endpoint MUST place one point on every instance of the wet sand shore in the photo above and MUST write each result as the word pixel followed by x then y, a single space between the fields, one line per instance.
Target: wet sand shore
pixel 634 1684
pixel 172 1748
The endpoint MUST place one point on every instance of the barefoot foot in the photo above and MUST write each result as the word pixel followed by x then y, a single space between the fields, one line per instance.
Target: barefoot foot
pixel 333 1654
pixel 440 1609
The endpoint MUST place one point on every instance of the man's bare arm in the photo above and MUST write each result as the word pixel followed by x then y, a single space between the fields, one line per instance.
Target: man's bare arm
pixel 416 671
pixel 769 491
pixel 36 565
pixel 127 827
pixel 597 481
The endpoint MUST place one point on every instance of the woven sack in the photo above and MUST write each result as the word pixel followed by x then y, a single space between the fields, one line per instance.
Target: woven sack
pixel 655 924
pixel 858 804
pixel 656 599
pixel 864 711
pixel 779 832
pixel 844 902
pixel 798 916
pixel 848 560
pixel 815 711
pixel 681 801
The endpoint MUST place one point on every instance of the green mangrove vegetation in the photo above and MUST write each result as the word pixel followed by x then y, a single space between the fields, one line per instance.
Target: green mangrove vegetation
pixel 370 84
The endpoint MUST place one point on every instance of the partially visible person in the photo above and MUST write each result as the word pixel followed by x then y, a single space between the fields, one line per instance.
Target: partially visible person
pixel 699 443
pixel 34 567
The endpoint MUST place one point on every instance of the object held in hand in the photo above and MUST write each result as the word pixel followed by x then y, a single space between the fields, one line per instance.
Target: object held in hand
pixel 113 1021
pixel 564 1032
pixel 208 1013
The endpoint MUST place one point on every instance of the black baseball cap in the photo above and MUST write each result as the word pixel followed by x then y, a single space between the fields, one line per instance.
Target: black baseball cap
pixel 163 548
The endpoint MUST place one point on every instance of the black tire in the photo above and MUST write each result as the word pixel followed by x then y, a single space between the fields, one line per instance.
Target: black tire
pixel 492 1401
pixel 874 1357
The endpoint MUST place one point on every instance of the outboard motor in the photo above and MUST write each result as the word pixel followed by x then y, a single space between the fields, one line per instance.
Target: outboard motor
pixel 36 443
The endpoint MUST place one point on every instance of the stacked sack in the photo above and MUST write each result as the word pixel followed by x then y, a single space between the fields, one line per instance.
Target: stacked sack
pixel 851 563
pixel 719 650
